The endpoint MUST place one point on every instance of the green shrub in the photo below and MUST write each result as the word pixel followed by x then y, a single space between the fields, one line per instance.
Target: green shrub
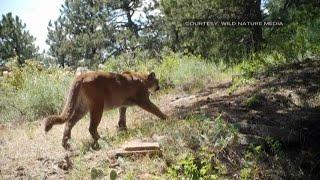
pixel 254 101
pixel 192 167
pixel 32 92
pixel 213 137
pixel 185 71
pixel 260 62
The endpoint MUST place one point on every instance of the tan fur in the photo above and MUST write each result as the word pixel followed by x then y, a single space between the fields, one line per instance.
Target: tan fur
pixel 97 91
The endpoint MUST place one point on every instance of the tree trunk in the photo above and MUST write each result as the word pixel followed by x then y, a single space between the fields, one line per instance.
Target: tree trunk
pixel 257 30
pixel 252 12
pixel 131 25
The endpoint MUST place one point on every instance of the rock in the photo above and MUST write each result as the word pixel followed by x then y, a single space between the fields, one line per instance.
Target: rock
pixel 114 164
pixel 101 66
pixel 158 138
pixel 20 168
pixel 6 74
pixel 20 171
pixel 246 140
pixel 146 176
pixel 81 70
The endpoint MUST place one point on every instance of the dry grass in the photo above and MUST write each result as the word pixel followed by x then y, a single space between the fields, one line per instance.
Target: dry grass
pixel 28 148
pixel 27 151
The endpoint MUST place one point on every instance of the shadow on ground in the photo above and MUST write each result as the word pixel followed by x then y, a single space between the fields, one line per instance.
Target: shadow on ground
pixel 284 103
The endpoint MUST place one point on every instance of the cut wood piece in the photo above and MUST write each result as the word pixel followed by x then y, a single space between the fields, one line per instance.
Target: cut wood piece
pixel 121 152
pixel 136 148
pixel 141 146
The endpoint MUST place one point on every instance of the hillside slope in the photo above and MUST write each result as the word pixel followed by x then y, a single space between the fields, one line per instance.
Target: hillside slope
pixel 277 137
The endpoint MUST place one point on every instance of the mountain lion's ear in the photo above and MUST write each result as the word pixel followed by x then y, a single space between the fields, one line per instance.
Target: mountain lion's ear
pixel 152 75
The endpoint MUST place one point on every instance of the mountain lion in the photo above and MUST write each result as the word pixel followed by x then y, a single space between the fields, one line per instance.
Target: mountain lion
pixel 95 92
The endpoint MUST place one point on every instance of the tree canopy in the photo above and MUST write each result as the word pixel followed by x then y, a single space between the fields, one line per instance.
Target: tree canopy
pixel 89 32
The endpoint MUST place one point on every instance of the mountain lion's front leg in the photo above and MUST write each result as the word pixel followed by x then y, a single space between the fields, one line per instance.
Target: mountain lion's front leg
pixel 152 108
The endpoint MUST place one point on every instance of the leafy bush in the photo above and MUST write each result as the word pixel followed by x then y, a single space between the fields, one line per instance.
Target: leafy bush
pixel 32 92
pixel 194 167
pixel 214 137
pixel 260 62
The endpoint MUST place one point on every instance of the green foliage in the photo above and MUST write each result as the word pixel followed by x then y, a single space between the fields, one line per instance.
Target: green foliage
pixel 15 40
pixel 199 164
pixel 246 173
pixel 254 64
pixel 32 92
pixel 81 171
pixel 258 63
pixel 128 62
pixel 193 168
pixel 299 37
pixel 177 69
pixel 182 71
pixel 91 32
pixel 274 145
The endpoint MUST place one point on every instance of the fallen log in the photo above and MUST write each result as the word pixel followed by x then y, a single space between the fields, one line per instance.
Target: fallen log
pixel 287 136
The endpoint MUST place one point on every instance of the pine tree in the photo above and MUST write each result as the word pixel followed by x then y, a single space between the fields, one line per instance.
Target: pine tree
pixel 77 36
pixel 15 40
pixel 90 31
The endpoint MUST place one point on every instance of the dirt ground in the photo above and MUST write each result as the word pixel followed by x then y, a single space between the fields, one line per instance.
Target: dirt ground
pixel 282 100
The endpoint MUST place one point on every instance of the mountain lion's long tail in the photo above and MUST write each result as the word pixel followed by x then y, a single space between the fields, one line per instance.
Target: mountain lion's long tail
pixel 68 110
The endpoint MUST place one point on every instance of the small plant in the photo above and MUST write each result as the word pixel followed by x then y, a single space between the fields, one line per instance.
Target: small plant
pixel 96 173
pixel 250 168
pixel 222 133
pixel 274 145
pixel 80 169
pixel 193 168
pixel 85 146
pixel 254 101
pixel 246 173
pixel 239 82
pixel 30 131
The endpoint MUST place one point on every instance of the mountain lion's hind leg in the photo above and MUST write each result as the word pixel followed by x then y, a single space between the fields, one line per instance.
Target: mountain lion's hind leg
pixel 122 119
pixel 95 118
pixel 69 125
